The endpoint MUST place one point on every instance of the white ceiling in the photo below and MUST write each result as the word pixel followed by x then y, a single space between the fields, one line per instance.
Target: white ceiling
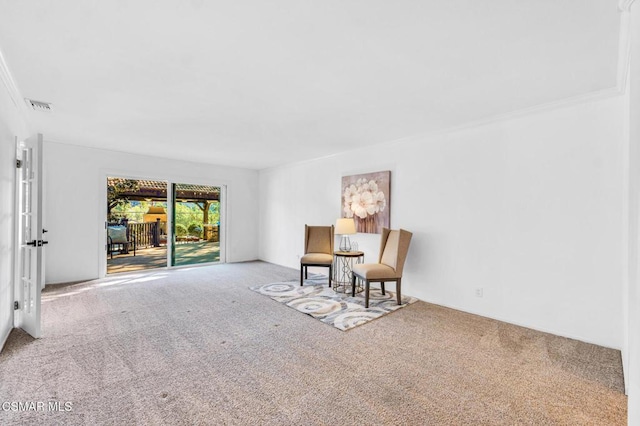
pixel 256 83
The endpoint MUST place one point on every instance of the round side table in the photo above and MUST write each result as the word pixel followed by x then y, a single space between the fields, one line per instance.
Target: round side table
pixel 343 262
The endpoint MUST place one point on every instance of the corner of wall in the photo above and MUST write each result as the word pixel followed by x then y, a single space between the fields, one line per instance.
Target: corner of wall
pixel 632 301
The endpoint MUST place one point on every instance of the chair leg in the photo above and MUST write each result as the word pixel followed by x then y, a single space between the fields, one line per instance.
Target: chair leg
pixel 382 287
pixel 366 293
pixel 330 274
pixel 301 274
pixel 398 285
pixel 306 272
pixel 353 285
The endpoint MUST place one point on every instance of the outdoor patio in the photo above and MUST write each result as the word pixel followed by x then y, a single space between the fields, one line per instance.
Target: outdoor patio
pixel 156 257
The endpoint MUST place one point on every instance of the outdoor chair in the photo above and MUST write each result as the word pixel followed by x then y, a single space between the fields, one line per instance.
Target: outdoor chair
pixel 394 246
pixel 120 240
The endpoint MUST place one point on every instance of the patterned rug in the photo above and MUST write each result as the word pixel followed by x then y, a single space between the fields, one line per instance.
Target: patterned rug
pixel 340 310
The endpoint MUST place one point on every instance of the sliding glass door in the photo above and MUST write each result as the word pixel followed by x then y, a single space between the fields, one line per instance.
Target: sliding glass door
pixel 155 224
pixel 136 225
pixel 195 224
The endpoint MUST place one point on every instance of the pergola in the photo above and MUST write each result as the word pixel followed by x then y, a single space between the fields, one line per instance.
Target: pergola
pixel 151 190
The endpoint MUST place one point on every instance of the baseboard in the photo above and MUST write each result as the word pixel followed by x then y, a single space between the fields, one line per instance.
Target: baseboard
pixel 625 370
pixel 508 321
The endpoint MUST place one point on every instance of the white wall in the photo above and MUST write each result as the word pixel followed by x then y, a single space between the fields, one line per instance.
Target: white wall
pixel 530 209
pixel 11 125
pixel 632 355
pixel 75 191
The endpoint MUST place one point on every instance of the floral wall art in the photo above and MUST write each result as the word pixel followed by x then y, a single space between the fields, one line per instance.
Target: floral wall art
pixel 366 199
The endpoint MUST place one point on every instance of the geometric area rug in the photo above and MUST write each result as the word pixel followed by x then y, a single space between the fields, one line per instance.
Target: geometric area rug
pixel 338 309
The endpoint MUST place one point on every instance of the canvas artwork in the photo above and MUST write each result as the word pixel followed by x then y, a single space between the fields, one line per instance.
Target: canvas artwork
pixel 366 199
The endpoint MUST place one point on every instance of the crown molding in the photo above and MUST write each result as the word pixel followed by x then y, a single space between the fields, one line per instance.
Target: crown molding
pixel 20 114
pixel 9 83
pixel 624 5
pixel 471 125
pixel 624 44
pixel 521 113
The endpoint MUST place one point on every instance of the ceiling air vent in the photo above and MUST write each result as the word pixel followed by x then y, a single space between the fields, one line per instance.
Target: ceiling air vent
pixel 39 106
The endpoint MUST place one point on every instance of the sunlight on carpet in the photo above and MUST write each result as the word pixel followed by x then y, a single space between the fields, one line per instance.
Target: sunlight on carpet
pixel 340 310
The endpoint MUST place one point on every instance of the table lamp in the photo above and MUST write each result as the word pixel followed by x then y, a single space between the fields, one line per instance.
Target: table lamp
pixel 345 227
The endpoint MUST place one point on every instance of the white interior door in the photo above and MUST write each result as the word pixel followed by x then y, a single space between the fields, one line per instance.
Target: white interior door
pixel 30 243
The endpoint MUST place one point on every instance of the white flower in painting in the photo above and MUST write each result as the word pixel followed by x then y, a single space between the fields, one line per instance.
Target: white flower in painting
pixel 362 199
pixel 363 204
pixel 381 202
pixel 349 192
pixel 347 209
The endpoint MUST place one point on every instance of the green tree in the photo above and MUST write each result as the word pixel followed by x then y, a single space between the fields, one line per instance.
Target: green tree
pixel 116 194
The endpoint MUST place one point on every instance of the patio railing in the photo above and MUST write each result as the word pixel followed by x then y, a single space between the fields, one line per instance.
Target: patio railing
pixel 153 234
pixel 147 234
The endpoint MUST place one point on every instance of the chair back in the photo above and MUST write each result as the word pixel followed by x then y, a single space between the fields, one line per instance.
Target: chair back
pixel 114 230
pixel 394 246
pixel 119 234
pixel 318 239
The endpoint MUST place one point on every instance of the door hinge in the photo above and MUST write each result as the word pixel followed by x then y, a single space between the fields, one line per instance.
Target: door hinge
pixel 18 164
pixel 16 305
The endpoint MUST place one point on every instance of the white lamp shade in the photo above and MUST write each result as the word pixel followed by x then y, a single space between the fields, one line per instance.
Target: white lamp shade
pixel 345 226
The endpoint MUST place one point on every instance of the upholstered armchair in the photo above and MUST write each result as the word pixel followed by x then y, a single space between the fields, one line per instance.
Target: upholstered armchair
pixel 318 249
pixel 119 239
pixel 394 246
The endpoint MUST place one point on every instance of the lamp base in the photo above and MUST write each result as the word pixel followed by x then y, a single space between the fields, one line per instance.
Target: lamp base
pixel 345 243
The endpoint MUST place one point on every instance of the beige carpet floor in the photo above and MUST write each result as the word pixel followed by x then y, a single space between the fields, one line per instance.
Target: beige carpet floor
pixel 196 346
